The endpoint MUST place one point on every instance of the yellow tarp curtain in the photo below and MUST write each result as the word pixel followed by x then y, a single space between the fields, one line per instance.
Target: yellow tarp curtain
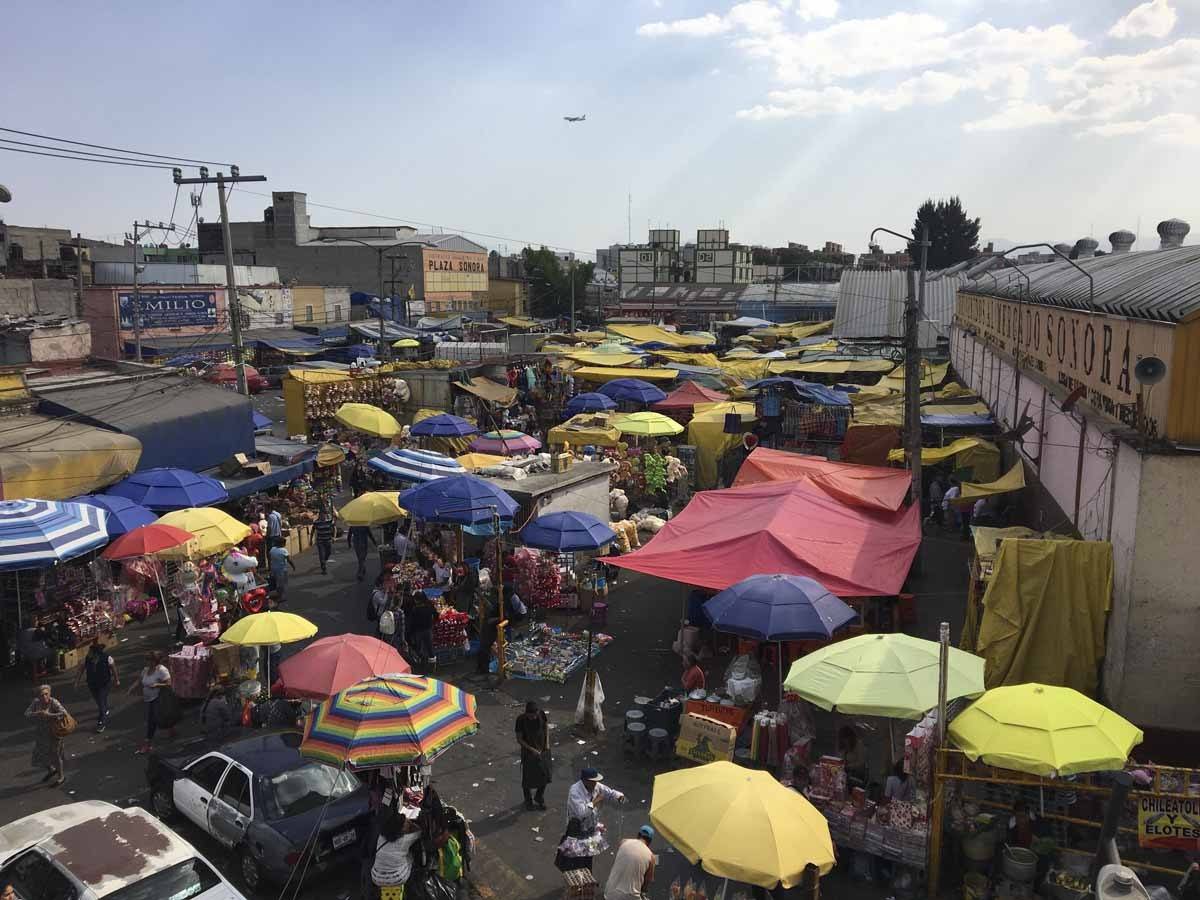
pixel 584 429
pixel 793 330
pixel 317 376
pixel 1044 613
pixel 932 455
pixel 592 358
pixel 931 375
pixel 1012 480
pixel 603 373
pixel 706 432
pixel 451 446
pixel 517 322
pixel 830 366
pixel 988 540
pixel 708 360
pixel 53 459
pixel 745 369
pixel 486 389
pixel 644 334
pixel 882 411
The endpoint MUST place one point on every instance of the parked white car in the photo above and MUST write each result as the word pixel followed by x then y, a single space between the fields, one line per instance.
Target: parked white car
pixel 96 851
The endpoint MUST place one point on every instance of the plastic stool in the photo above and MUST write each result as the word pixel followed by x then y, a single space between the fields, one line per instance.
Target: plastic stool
pixel 658 744
pixel 635 738
pixel 599 614
pixel 634 715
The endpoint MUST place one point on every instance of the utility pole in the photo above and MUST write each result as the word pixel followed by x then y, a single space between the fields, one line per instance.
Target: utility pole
pixel 571 269
pixel 235 305
pixel 137 297
pixel 79 274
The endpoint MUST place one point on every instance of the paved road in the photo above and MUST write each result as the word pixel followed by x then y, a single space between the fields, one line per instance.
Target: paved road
pixel 481 776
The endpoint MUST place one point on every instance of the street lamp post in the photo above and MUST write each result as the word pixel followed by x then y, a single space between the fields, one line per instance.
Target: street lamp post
pixel 381 348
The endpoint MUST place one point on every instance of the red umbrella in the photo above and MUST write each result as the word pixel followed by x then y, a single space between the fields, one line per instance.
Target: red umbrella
pixel 147 539
pixel 332 664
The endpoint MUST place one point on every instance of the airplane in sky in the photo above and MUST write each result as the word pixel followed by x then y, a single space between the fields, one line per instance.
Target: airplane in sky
pixel 582 118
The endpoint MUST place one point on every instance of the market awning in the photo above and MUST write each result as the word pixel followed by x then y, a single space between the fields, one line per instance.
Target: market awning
pixel 932 455
pixel 1012 480
pixel 687 395
pixel 283 450
pixel 931 376
pixel 491 391
pixel 294 346
pixel 830 366
pixel 706 432
pixel 645 334
pixel 55 459
pixel 871 487
pixel 584 429
pixel 596 358
pixel 603 373
pixel 956 415
pixel 244 487
pixel 518 322
pixel 181 422
pixel 318 376
pixel 707 360
pixel 784 527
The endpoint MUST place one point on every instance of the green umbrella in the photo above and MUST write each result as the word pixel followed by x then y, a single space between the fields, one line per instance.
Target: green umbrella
pixel 891 675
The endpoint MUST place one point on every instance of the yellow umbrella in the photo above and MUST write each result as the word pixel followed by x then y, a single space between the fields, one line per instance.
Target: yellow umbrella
pixel 741 824
pixel 330 455
pixel 1044 730
pixel 407 342
pixel 647 424
pixel 474 461
pixel 368 419
pixel 372 508
pixel 267 628
pixel 215 531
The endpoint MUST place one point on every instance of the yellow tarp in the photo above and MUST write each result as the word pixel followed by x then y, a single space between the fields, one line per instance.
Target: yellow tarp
pixel 517 322
pixel 830 366
pixel 1044 613
pixel 1012 480
pixel 955 409
pixel 492 391
pixel 988 540
pixel 706 431
pixel 473 461
pixel 931 375
pixel 317 376
pixel 932 455
pixel 954 391
pixel 584 429
pixel 826 347
pixel 592 358
pixel 601 373
pixel 53 459
pixel 644 334
pixel 708 360
pixel 451 446
pixel 745 369
pixel 742 353
pixel 881 411
pixel 793 330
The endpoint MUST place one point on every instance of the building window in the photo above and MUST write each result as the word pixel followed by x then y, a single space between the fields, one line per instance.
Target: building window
pixel 308 314
pixel 278 318
pixel 337 312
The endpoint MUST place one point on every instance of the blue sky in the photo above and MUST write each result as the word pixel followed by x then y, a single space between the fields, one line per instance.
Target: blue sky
pixel 803 120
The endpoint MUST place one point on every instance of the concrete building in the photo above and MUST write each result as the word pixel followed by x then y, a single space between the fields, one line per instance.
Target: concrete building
pixel 447 272
pixel 22 246
pixel 1120 462
pixel 317 305
pixel 661 260
pixel 38 297
pixel 46 342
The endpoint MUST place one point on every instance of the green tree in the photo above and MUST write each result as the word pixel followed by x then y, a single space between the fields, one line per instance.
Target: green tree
pixel 953 236
pixel 550 283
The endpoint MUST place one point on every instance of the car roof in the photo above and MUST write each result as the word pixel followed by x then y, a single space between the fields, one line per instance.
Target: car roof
pixel 104 847
pixel 267 754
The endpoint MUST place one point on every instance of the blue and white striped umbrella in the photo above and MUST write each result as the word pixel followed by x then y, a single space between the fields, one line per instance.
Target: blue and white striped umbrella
pixel 416 465
pixel 36 534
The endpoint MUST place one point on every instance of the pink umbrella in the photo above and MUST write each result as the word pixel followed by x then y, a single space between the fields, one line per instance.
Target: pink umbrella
pixel 505 443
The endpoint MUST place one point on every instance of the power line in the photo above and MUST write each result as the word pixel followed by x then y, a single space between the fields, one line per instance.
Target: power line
pixel 46 137
pixel 79 153
pixel 109 162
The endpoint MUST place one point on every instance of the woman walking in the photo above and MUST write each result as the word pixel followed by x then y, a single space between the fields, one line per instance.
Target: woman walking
pixel 48 715
pixel 153 678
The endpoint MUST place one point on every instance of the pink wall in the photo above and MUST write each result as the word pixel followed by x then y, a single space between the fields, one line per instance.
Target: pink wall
pixel 100 311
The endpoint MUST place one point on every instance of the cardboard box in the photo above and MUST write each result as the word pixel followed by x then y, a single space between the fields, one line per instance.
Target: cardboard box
pixel 705 740
pixel 730 715
pixel 256 468
pixel 73 659
pixel 226 658
pixel 560 462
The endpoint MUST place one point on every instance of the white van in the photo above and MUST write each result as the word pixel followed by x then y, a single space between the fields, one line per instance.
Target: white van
pixel 93 850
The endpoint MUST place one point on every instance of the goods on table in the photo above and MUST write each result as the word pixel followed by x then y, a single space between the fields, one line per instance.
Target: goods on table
pixel 918 751
pixel 191 670
pixel 550 654
pixel 535 576
pixel 828 779
pixel 450 632
pixel 769 738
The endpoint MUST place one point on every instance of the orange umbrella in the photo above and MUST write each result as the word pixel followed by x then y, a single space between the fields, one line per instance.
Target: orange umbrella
pixel 147 540
pixel 332 664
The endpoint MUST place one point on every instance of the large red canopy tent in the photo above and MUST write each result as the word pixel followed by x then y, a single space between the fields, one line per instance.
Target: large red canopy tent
pixel 872 487
pixel 782 527
pixel 687 395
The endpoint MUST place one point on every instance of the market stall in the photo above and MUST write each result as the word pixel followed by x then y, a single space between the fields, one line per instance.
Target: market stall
pixel 312 397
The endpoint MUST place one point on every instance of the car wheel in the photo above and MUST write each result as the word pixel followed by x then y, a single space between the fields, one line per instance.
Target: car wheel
pixel 251 871
pixel 162 802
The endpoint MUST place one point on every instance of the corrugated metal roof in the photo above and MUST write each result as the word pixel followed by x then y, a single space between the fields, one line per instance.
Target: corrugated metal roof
pixel 871 305
pixel 1161 285
pixel 121 273
pixel 440 241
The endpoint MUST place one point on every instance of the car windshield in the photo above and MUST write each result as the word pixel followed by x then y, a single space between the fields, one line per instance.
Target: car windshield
pixel 181 881
pixel 308 787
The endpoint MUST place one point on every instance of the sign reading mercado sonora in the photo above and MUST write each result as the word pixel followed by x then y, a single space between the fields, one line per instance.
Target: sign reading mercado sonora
pixel 1075 348
pixel 170 309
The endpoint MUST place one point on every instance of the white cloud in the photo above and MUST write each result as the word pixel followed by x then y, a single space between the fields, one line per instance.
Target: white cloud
pixel 1153 19
pixel 1016 116
pixel 928 88
pixel 701 26
pixel 817 9
pixel 1170 128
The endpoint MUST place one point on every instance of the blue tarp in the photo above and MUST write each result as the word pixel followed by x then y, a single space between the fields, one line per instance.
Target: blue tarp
pixel 303 347
pixel 813 393
pixel 260 421
pixel 961 421
pixel 244 487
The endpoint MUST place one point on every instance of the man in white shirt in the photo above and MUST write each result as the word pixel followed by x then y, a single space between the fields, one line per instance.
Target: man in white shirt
pixel 585 795
pixel 402 546
pixel 633 869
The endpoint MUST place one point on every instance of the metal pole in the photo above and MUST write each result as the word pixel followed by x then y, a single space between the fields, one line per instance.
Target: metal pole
pixel 137 301
pixel 572 270
pixel 381 348
pixel 943 664
pixel 79 274
pixel 1106 846
pixel 912 371
pixel 235 305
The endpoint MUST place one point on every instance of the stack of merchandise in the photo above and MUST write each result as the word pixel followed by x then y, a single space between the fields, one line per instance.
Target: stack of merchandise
pixel 828 780
pixel 84 620
pixel 550 654
pixel 191 670
pixel 536 578
pixel 918 752
pixel 769 739
pixel 450 632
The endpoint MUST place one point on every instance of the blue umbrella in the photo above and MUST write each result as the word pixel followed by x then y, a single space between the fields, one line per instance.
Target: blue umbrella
pixel 123 515
pixel 778 608
pixel 36 534
pixel 633 389
pixel 166 489
pixel 564 531
pixel 458 500
pixel 444 425
pixel 415 465
pixel 589 402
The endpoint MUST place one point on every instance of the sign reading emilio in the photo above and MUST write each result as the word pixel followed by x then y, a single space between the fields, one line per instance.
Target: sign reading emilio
pixel 1169 823
pixel 1074 348
pixel 170 309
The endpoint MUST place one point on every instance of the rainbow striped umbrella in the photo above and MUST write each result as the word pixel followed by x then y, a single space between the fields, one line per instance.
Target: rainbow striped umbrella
pixel 389 720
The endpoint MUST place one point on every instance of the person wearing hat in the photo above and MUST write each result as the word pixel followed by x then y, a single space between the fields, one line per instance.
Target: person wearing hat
pixel 633 869
pixel 582 820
